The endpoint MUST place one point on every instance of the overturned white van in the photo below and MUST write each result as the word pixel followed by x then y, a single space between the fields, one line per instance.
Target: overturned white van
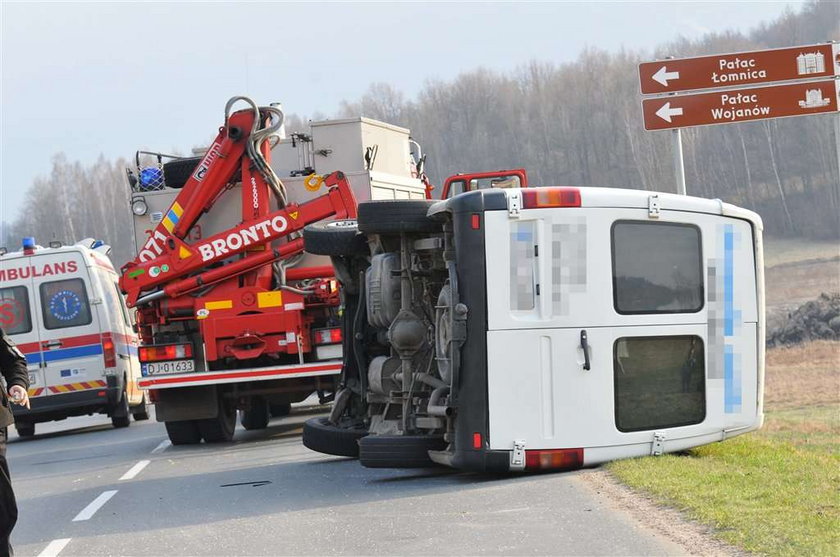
pixel 62 307
pixel 547 328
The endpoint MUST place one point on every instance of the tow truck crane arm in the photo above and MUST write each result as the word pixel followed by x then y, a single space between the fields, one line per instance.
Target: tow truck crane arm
pixel 166 264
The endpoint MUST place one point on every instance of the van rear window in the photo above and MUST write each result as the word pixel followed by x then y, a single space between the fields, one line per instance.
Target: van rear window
pixel 14 310
pixel 64 303
pixel 657 267
pixel 659 382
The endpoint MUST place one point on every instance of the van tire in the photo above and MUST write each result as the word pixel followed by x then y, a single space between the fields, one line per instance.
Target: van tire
pixel 335 238
pixel 219 429
pixel 178 171
pixel 392 216
pixel 255 417
pixel 120 415
pixel 25 429
pixel 141 411
pixel 183 433
pixel 322 436
pixel 399 451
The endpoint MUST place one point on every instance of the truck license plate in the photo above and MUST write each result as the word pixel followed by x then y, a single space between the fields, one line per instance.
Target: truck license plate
pixel 173 366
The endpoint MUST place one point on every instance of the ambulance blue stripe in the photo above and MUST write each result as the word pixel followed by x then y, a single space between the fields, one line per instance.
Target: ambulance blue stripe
pixel 67 353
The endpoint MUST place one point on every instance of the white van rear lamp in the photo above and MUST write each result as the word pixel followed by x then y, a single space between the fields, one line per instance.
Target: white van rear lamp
pixel 540 198
pixel 165 352
pixel 554 459
pixel 328 336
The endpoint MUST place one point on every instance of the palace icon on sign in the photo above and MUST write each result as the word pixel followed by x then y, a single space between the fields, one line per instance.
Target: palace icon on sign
pixel 814 99
pixel 813 62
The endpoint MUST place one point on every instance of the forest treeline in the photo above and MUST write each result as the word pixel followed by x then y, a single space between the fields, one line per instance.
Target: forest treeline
pixel 578 123
pixel 581 124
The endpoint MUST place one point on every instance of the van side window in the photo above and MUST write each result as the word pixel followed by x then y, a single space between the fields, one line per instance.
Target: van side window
pixel 657 267
pixel 64 303
pixel 14 310
pixel 659 382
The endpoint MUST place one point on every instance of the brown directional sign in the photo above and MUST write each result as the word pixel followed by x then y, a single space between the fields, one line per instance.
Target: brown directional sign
pixel 741 105
pixel 740 68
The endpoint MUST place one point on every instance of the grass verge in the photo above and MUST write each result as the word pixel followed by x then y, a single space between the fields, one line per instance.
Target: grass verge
pixel 774 491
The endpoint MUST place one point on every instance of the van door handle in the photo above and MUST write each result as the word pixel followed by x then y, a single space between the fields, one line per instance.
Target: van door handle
pixel 124 356
pixel 51 344
pixel 585 345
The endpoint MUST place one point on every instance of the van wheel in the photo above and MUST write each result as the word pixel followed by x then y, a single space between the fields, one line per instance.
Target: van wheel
pixel 334 237
pixel 219 429
pixel 399 451
pixel 120 415
pixel 322 436
pixel 183 433
pixel 392 216
pixel 141 411
pixel 25 429
pixel 257 416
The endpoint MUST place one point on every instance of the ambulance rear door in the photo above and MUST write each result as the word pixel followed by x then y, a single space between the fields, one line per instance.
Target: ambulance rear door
pixel 71 341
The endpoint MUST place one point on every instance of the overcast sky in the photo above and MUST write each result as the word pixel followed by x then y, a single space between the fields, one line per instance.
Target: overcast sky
pixel 108 78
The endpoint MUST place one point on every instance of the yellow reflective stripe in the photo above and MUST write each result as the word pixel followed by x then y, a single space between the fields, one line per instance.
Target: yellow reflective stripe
pixel 219 304
pixel 269 299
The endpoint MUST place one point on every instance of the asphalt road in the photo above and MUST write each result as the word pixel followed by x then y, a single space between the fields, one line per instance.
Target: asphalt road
pixel 85 488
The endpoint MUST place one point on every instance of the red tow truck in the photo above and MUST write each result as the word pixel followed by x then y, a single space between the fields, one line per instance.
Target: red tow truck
pixel 232 314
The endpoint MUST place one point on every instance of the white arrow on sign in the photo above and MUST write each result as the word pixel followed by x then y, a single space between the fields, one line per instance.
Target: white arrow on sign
pixel 663 75
pixel 666 112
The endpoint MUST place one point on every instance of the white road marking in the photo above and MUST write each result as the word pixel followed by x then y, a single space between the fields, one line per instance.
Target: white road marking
pixel 162 447
pixel 97 503
pixel 136 469
pixel 54 548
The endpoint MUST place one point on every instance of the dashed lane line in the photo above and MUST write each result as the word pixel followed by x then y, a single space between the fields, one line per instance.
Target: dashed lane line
pixel 95 505
pixel 54 547
pixel 162 447
pixel 136 469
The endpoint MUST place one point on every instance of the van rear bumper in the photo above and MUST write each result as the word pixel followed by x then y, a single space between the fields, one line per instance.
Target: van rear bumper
pixel 64 405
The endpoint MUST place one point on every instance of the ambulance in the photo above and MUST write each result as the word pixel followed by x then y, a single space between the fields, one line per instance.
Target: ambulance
pixel 62 307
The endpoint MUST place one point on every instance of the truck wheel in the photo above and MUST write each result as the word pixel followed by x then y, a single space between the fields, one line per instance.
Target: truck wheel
pixel 25 429
pixel 280 409
pixel 399 451
pixel 177 172
pixel 257 416
pixel 219 429
pixel 334 237
pixel 183 433
pixel 321 436
pixel 120 415
pixel 392 216
pixel 141 411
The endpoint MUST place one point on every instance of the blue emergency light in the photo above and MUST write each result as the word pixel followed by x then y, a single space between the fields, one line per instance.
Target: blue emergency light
pixel 150 177
pixel 28 242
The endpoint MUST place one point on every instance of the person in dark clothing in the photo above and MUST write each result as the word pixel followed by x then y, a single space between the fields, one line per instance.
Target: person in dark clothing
pixel 14 388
